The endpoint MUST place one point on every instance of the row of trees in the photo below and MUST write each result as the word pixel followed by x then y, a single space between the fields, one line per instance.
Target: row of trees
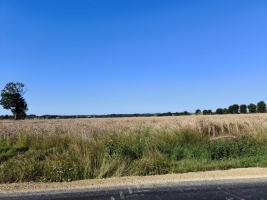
pixel 12 99
pixel 235 109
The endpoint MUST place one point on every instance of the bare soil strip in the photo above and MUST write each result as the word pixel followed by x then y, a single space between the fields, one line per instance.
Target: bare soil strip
pixel 136 180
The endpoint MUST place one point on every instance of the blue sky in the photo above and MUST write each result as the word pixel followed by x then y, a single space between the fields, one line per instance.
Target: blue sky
pixel 117 56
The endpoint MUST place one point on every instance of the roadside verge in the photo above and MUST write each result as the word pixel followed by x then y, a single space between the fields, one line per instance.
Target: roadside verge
pixel 240 173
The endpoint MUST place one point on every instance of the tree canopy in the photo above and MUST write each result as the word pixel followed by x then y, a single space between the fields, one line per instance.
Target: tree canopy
pixel 225 111
pixel 219 111
pixel 243 108
pixel 230 110
pixel 12 99
pixel 261 107
pixel 198 112
pixel 235 108
pixel 252 108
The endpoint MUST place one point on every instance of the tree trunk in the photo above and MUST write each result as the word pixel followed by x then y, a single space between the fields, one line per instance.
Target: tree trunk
pixel 15 114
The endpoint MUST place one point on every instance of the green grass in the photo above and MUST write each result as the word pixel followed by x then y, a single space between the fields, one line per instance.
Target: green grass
pixel 64 157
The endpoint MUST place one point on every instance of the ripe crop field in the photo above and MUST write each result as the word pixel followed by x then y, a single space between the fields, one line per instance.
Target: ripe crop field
pixel 75 149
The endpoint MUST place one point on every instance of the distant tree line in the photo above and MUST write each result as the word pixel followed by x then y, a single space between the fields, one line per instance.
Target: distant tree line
pixel 12 99
pixel 172 114
pixel 236 109
pixel 233 109
pixel 6 117
pixel 33 116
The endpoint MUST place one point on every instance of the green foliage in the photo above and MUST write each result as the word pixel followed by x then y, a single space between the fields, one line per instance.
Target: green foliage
pixel 205 112
pixel 225 111
pixel 23 139
pixel 252 108
pixel 209 112
pixel 243 108
pixel 191 137
pixel 186 113
pixel 9 150
pixel 164 114
pixel 219 111
pixel 8 141
pixel 230 110
pixel 235 108
pixel 261 107
pixel 114 149
pixel 12 99
pixel 59 174
pixel 198 112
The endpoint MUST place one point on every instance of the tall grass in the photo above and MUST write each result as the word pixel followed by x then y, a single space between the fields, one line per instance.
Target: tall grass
pixel 55 155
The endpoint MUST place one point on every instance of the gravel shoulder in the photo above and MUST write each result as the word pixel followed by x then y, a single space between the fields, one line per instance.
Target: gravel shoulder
pixel 240 173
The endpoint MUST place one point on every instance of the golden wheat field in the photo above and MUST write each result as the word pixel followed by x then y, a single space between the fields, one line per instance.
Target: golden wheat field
pixel 212 125
pixel 57 150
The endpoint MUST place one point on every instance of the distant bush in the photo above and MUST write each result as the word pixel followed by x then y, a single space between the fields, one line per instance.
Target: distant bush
pixel 186 113
pixel 198 112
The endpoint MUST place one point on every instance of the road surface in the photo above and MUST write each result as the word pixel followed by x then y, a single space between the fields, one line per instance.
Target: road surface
pixel 255 188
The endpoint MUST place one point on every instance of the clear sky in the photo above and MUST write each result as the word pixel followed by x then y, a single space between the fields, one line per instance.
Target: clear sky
pixel 134 56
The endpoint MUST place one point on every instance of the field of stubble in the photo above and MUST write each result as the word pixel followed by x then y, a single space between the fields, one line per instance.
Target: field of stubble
pixel 75 149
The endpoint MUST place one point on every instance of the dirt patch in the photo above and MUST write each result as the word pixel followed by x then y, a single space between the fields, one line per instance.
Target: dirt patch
pixel 136 180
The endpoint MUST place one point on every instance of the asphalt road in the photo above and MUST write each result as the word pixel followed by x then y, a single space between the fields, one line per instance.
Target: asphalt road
pixel 216 189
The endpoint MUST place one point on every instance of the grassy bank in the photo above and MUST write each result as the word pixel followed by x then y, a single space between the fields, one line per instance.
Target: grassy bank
pixel 64 156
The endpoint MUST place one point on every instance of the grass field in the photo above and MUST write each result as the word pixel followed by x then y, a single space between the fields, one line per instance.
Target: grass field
pixel 75 149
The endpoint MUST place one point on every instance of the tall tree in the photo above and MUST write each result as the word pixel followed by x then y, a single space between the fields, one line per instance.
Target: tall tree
pixel 252 108
pixel 243 108
pixel 261 107
pixel 205 112
pixel 209 112
pixel 12 99
pixel 231 110
pixel 235 108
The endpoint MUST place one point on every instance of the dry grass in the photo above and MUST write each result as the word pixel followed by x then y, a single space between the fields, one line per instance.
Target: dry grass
pixel 214 125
